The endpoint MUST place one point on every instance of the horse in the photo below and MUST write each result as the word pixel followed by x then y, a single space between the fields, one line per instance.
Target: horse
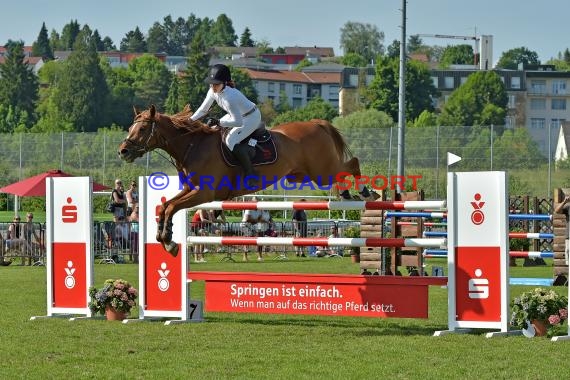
pixel 312 150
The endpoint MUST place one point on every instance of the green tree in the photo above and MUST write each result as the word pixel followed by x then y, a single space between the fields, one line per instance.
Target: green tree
pixel 393 50
pixel 353 60
pixel 134 42
pixel 18 89
pixel 369 118
pixel 481 100
pixel 151 80
pixel 68 35
pixel 41 47
pixel 244 83
pixel 425 119
pixel 302 64
pixel 193 89
pixel 157 40
pixel 81 92
pixel 99 45
pixel 414 44
pixel 283 105
pixel 317 108
pixel 363 39
pixel 245 38
pixel 222 32
pixel 172 105
pixel 382 94
pixel 121 94
pixel 511 58
pixel 179 33
pixel 108 44
pixel 457 55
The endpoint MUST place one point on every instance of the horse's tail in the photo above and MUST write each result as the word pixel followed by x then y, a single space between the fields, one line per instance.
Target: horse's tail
pixel 340 144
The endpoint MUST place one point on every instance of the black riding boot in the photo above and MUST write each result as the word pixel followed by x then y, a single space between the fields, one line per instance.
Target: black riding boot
pixel 242 154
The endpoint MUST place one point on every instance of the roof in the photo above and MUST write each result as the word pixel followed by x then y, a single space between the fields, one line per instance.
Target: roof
pixel 311 50
pixel 294 76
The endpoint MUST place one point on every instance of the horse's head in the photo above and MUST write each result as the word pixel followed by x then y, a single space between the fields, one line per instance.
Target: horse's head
pixel 143 135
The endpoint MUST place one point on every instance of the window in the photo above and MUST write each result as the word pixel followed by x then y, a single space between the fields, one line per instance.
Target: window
pixel 516 82
pixel 536 123
pixel 270 87
pixel 297 102
pixel 297 89
pixel 462 80
pixel 538 104
pixel 512 102
pixel 538 87
pixel 448 82
pixel 333 91
pixel 555 123
pixel 558 104
pixel 281 87
pixel 353 80
pixel 435 82
pixel 559 87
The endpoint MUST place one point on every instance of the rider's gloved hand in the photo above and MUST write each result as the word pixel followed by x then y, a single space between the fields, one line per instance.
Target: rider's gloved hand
pixel 212 122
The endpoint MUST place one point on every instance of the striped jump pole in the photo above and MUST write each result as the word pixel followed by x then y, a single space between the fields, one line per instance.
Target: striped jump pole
pixel 344 205
pixel 434 253
pixel 426 224
pixel 427 214
pixel 512 235
pixel 530 217
pixel 321 242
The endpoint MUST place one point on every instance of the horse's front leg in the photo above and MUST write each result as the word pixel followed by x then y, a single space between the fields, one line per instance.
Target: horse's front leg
pixel 183 200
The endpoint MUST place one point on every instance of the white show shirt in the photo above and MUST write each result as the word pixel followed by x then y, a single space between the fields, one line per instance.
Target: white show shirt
pixel 230 100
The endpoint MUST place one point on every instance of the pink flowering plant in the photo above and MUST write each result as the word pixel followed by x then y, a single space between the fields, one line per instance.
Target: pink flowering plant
pixel 540 304
pixel 118 294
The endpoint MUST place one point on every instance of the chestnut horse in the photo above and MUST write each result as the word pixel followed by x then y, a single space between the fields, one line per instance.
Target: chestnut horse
pixel 307 149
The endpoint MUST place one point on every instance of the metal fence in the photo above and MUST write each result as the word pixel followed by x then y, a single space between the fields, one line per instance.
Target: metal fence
pixel 426 148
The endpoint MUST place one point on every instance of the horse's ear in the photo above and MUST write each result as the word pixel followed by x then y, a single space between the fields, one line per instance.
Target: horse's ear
pixel 135 110
pixel 152 110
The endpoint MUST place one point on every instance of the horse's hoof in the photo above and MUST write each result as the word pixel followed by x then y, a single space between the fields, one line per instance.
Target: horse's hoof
pixel 158 237
pixel 172 248
pixel 375 195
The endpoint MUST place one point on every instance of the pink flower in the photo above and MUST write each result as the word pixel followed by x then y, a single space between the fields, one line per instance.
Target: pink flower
pixel 563 313
pixel 554 319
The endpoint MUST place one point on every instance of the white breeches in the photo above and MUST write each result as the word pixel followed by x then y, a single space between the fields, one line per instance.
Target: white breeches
pixel 238 134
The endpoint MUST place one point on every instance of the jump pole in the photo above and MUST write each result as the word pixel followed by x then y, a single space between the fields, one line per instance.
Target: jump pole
pixel 69 252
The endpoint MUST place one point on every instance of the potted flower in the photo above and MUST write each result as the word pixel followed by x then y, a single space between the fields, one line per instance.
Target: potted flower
pixel 353 232
pixel 545 309
pixel 115 299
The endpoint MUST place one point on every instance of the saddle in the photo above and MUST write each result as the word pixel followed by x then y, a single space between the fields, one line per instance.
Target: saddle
pixel 262 150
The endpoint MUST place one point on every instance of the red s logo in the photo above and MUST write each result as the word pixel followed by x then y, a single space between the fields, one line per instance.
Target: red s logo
pixel 69 212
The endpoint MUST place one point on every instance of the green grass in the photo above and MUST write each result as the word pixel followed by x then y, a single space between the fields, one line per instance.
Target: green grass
pixel 258 346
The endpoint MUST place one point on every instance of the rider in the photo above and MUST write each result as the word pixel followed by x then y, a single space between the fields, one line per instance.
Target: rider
pixel 243 117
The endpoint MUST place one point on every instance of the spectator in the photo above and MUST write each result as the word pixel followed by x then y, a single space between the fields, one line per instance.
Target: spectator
pixel 30 233
pixel 132 197
pixel 119 200
pixel 564 209
pixel 200 225
pixel 255 223
pixel 15 238
pixel 134 234
pixel 300 229
pixel 330 251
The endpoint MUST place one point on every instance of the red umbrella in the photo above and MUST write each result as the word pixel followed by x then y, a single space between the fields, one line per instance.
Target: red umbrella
pixel 36 186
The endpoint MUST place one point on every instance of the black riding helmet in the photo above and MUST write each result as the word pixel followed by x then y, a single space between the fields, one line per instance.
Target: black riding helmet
pixel 218 74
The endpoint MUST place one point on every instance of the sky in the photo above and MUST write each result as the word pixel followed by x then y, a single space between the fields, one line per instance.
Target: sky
pixel 512 23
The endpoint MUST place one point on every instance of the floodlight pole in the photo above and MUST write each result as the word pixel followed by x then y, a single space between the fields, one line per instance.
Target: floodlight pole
pixel 402 98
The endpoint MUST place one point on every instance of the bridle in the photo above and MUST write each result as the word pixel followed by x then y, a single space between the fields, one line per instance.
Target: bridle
pixel 143 148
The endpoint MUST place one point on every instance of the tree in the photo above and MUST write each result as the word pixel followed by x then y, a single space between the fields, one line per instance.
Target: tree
pixel 193 89
pixel 108 44
pixel 382 94
pixel 121 94
pixel 179 33
pixel 414 44
pixel 150 80
pixel 244 83
pixel 245 38
pixel 457 55
pixel 99 45
pixel 41 47
pixel 171 105
pixel 302 64
pixel 317 108
pixel 134 42
pixel 157 40
pixel 68 36
pixel 363 39
pixel 481 100
pixel 353 60
pixel 18 88
pixel 511 58
pixel 393 50
pixel 425 119
pixel 222 32
pixel 81 93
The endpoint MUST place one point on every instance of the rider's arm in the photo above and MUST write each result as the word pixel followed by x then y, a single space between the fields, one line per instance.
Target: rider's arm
pixel 204 107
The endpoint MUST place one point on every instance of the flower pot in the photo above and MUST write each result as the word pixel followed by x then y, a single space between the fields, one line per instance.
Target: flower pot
pixel 113 315
pixel 540 327
pixel 355 257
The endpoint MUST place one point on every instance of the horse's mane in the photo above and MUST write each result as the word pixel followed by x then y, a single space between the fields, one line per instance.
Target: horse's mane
pixel 181 120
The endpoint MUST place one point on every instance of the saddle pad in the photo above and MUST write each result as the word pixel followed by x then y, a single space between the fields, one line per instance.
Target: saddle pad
pixel 265 152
